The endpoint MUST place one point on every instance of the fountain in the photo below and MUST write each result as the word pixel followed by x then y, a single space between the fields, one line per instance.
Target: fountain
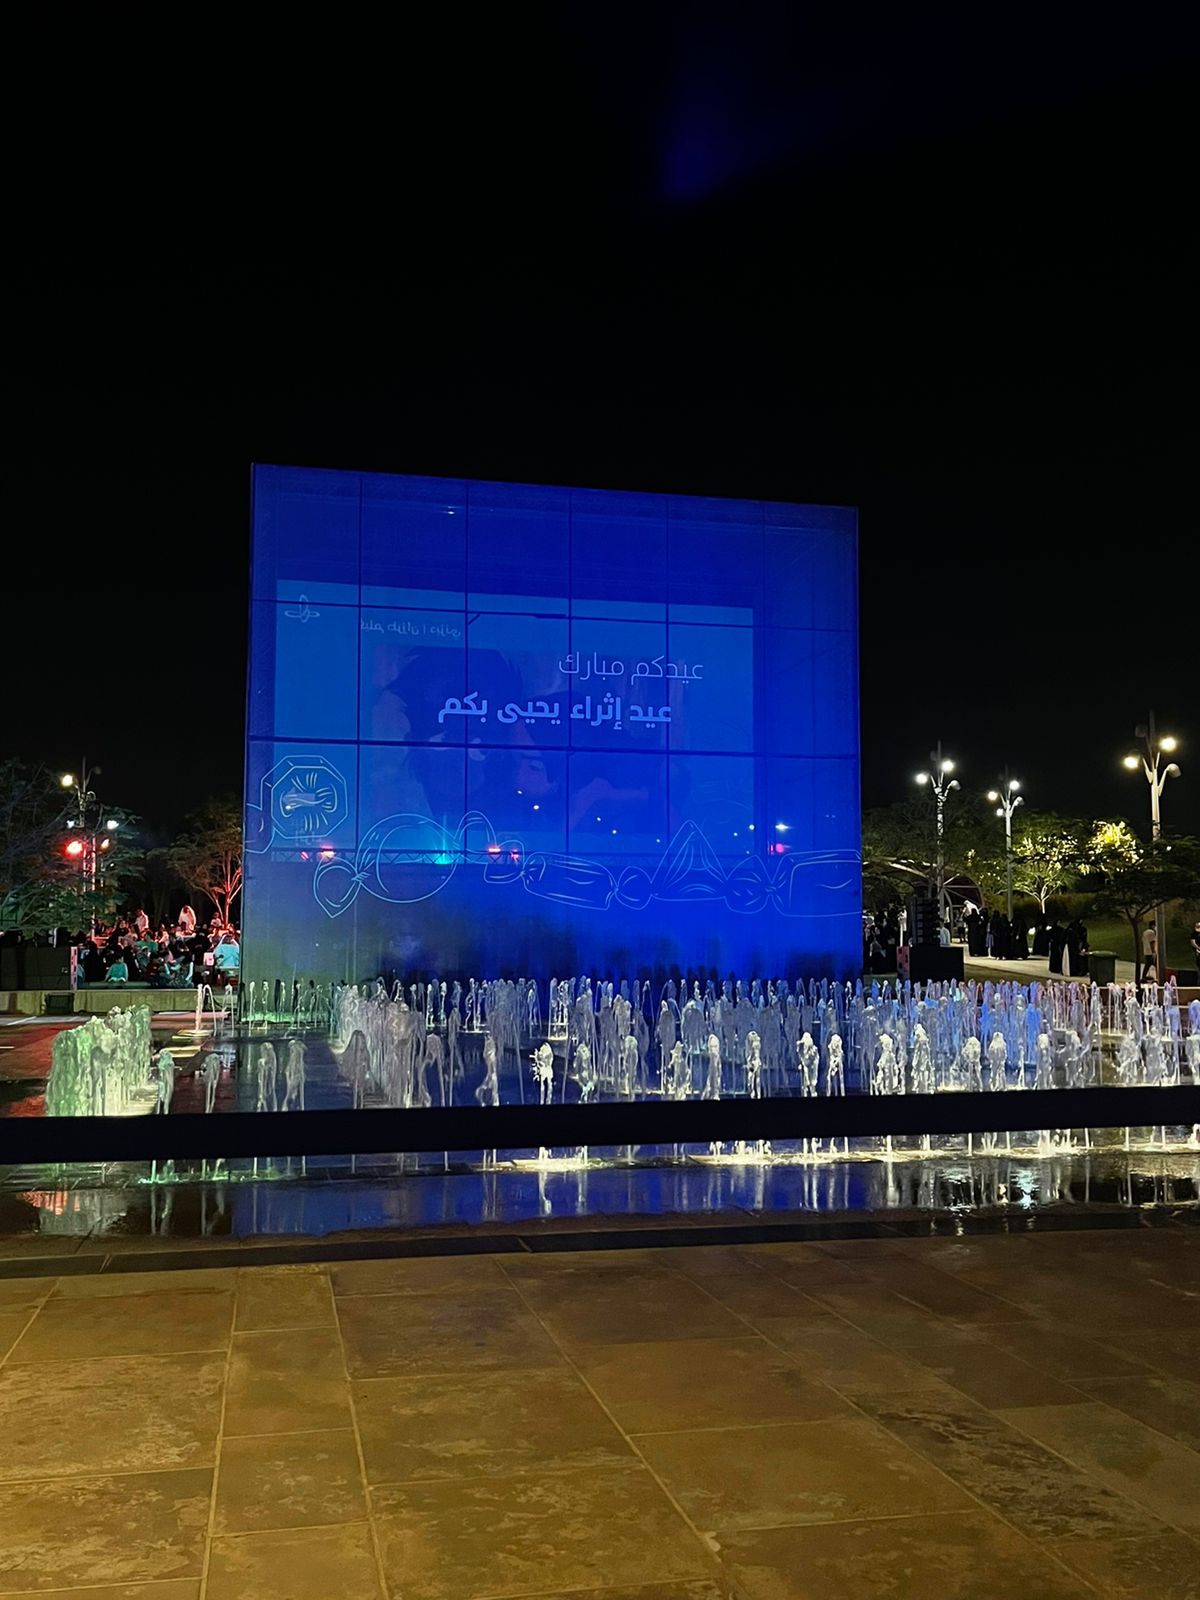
pixel 104 1068
pixel 483 1042
pixel 758 1040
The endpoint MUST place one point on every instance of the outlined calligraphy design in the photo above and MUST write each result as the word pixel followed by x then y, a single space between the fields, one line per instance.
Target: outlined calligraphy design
pixel 407 858
pixel 301 797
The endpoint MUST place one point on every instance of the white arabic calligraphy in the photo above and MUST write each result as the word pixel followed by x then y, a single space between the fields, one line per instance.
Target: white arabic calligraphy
pixel 418 630
pixel 606 709
pixel 465 707
pixel 532 711
pixel 600 667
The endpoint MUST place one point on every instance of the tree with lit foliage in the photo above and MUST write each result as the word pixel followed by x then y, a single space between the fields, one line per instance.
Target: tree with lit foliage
pixel 207 856
pixel 1049 853
pixel 1138 877
pixel 1112 843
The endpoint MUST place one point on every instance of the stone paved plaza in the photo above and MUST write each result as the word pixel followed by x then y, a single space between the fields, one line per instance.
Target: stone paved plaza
pixel 944 1417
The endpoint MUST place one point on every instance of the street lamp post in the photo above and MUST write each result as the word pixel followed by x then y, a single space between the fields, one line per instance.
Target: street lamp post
pixel 88 817
pixel 1155 745
pixel 1006 800
pixel 942 783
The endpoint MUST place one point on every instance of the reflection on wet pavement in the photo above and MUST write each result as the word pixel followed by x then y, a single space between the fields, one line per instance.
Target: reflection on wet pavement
pixel 314 1199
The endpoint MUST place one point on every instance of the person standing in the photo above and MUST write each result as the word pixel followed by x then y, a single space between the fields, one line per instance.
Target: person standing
pixel 1149 952
pixel 1075 958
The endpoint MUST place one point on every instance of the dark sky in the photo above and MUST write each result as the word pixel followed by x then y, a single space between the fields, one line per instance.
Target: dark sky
pixel 941 275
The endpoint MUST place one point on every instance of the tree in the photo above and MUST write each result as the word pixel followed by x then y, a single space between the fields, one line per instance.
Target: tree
pixel 208 855
pixel 1138 878
pixel 900 846
pixel 41 889
pixel 894 846
pixel 984 866
pixel 1049 853
pixel 159 884
pixel 1110 844
pixel 31 824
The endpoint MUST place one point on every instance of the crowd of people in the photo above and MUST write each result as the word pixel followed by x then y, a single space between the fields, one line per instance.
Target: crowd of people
pixel 173 956
pixel 989 935
pixel 883 933
pixel 1066 947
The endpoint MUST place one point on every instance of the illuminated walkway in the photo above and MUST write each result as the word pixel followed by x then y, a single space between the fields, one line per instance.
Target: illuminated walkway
pixel 963 1418
pixel 1036 967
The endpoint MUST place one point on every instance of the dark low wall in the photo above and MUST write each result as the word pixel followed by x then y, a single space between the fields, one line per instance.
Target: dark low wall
pixel 93 1001
pixel 603 1124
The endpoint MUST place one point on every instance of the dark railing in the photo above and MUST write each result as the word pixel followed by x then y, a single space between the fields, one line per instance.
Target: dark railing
pixel 603 1124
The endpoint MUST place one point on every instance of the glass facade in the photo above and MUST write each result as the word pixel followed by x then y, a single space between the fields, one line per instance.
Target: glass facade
pixel 505 730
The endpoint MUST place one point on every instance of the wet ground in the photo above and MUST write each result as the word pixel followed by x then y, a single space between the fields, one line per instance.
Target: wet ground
pixel 108 1212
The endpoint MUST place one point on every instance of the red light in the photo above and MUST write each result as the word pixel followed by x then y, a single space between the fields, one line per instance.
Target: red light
pixel 779 848
pixel 74 848
pixel 304 856
pixel 514 855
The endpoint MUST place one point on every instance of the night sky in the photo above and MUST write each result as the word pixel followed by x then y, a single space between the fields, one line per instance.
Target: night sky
pixel 944 277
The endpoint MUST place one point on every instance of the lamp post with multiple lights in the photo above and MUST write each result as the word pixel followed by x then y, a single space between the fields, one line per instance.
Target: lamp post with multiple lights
pixel 92 831
pixel 1154 746
pixel 1006 800
pixel 942 783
